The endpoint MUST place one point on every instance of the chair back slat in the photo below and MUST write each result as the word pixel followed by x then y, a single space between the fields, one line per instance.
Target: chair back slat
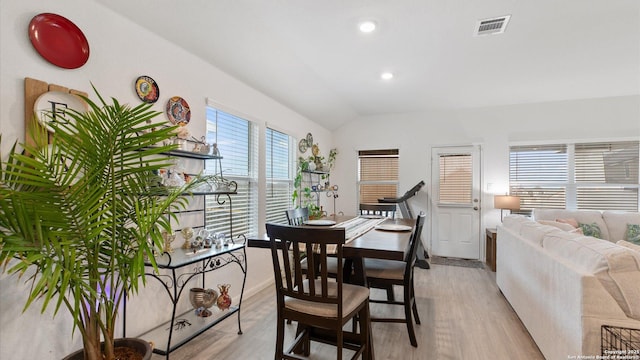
pixel 315 284
pixel 297 216
pixel 380 209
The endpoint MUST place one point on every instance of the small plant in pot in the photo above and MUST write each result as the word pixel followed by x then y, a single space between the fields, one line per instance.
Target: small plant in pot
pixel 85 211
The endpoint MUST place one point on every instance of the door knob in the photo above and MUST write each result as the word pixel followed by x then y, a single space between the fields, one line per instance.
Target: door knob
pixel 475 208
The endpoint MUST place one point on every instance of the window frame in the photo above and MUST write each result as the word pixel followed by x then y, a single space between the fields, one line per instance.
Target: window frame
pixel 380 153
pixel 571 186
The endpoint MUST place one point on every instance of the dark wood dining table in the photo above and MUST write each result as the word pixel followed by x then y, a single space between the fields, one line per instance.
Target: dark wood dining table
pixel 378 244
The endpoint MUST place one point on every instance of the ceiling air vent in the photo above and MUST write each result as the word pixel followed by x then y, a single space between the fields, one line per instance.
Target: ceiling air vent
pixel 491 26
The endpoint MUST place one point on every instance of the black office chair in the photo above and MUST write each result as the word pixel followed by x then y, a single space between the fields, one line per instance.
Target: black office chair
pixel 321 302
pixel 386 273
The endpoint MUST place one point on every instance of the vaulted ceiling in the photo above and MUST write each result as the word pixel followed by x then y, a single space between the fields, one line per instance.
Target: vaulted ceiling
pixel 310 56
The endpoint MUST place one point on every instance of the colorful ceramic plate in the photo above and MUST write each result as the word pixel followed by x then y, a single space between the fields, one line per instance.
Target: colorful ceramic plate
pixel 58 40
pixel 393 227
pixel 147 89
pixel 320 222
pixel 51 106
pixel 178 111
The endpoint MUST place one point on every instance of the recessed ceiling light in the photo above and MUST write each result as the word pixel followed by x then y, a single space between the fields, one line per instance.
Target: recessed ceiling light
pixel 367 26
pixel 386 76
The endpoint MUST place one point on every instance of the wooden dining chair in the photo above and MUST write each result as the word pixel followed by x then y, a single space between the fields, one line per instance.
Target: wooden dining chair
pixel 381 209
pixel 387 273
pixel 322 302
pixel 297 216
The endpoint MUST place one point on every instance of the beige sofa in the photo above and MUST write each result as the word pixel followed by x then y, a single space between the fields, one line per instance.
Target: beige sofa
pixel 563 285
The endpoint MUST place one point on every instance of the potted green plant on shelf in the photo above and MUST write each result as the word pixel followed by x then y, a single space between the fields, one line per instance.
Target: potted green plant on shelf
pixel 83 211
pixel 306 194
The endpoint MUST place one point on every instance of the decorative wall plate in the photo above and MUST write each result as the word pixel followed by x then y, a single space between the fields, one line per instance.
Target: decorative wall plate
pixel 147 89
pixel 59 40
pixel 309 139
pixel 302 146
pixel 51 106
pixel 178 111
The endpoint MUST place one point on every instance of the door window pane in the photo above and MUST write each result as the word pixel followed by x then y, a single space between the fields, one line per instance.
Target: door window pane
pixel 456 179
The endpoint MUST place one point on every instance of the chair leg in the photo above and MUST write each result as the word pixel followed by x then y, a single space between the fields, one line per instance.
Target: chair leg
pixel 407 315
pixel 339 343
pixel 365 332
pixel 279 339
pixel 415 306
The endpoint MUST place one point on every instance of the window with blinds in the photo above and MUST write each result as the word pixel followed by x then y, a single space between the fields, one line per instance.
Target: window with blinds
pixel 238 145
pixel 279 173
pixel 599 176
pixel 377 175
pixel 456 179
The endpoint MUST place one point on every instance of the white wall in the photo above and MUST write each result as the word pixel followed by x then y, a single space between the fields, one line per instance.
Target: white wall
pixel 120 51
pixel 414 134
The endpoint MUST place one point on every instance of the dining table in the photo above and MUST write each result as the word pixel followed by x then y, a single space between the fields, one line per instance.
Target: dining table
pixel 388 239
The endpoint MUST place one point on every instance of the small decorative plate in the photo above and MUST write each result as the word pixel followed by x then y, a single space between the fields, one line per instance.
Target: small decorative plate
pixel 303 146
pixel 147 89
pixel 51 106
pixel 178 111
pixel 393 227
pixel 309 139
pixel 58 40
pixel 320 222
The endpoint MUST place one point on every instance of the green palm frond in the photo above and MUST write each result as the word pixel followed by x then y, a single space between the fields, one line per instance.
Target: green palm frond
pixel 84 210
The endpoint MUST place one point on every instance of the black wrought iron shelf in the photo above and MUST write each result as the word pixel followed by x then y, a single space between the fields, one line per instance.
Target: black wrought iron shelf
pixel 183 267
pixel 185 327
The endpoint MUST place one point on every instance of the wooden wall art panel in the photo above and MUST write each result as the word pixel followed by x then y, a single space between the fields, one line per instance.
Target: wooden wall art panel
pixel 32 90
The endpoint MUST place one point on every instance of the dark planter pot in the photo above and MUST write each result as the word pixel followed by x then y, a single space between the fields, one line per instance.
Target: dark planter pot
pixel 141 346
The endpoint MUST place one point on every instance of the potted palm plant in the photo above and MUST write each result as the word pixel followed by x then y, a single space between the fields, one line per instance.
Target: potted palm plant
pixel 85 211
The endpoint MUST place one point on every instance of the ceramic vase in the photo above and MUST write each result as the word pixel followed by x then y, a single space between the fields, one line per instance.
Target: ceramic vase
pixel 224 300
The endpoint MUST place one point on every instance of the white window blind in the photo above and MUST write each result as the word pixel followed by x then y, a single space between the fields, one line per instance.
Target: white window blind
pixel 599 176
pixel 456 179
pixel 607 176
pixel 238 145
pixel 377 174
pixel 279 170
pixel 539 175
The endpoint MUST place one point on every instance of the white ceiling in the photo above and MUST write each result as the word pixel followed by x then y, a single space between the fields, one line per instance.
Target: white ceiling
pixel 309 55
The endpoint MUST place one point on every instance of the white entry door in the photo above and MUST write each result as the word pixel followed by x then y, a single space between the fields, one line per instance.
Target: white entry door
pixel 455 215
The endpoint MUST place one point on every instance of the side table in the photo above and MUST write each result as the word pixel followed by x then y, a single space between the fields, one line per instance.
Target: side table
pixel 492 235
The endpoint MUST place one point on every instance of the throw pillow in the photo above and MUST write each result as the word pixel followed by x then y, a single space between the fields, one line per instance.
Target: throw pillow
pixel 633 233
pixel 572 222
pixel 591 230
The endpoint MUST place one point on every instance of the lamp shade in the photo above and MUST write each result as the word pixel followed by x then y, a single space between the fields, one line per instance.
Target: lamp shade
pixel 506 202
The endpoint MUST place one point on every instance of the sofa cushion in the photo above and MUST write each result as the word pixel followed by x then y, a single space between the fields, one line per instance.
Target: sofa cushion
pixel 581 216
pixel 617 222
pixel 514 222
pixel 617 268
pixel 535 232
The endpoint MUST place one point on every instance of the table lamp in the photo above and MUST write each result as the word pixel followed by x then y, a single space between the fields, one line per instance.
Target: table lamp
pixel 506 202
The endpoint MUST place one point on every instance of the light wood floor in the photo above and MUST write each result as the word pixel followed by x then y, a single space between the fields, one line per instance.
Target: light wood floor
pixel 463 313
